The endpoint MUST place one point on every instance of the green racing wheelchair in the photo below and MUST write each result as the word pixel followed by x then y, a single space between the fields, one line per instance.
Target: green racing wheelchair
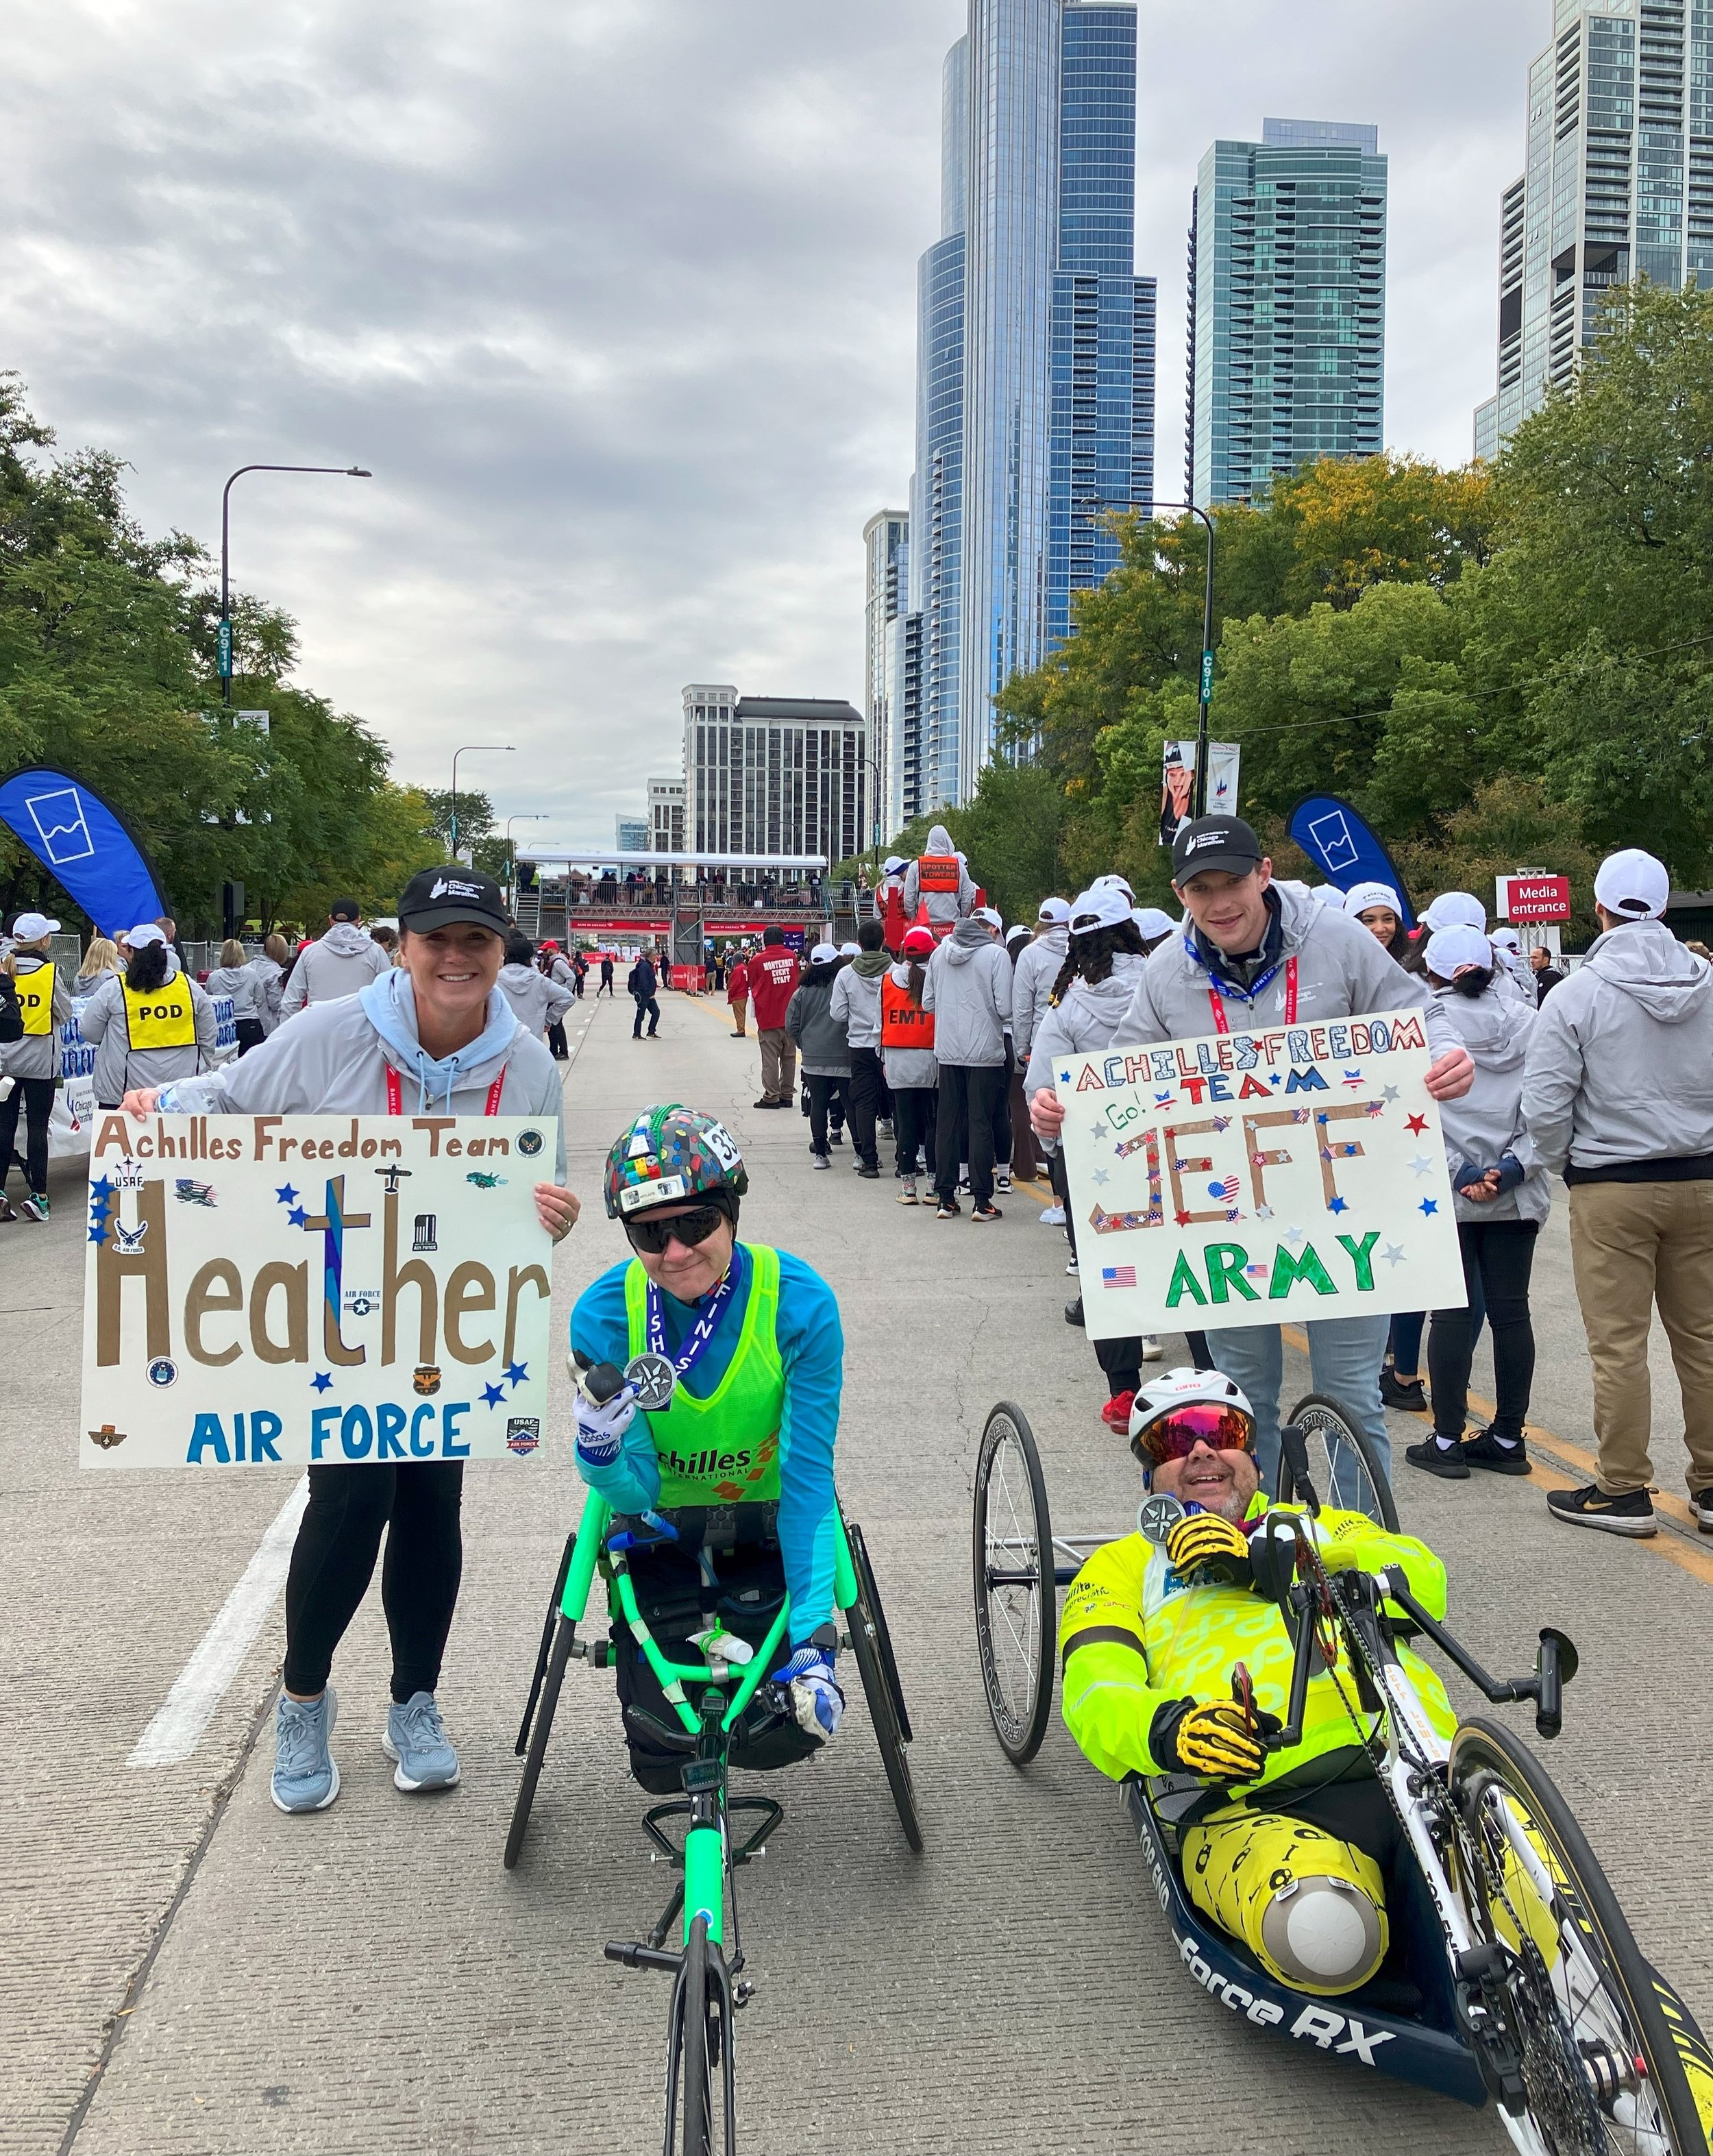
pixel 1516 1979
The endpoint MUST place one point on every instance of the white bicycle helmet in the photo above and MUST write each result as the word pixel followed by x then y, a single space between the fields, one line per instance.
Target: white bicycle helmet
pixel 1164 1399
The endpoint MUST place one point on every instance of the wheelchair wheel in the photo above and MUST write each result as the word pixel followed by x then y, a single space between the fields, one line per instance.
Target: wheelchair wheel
pixel 1017 1603
pixel 541 1730
pixel 1603 2040
pixel 699 2085
pixel 1341 1463
pixel 873 1649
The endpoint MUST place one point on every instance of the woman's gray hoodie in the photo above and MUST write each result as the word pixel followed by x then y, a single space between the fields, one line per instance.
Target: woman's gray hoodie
pixel 119 1067
pixel 1039 966
pixel 943 906
pixel 538 1000
pixel 1085 1020
pixel 821 1038
pixel 968 990
pixel 269 975
pixel 343 962
pixel 241 984
pixel 1488 1122
pixel 37 1055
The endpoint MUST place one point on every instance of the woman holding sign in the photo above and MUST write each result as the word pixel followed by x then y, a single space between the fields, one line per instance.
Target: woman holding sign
pixel 433 1035
pixel 151 1026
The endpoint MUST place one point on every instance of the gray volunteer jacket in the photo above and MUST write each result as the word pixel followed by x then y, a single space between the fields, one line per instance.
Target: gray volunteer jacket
pixel 37 1055
pixel 269 975
pixel 538 1000
pixel 910 1068
pixel 968 990
pixel 820 1037
pixel 241 984
pixel 1086 1020
pixel 119 1067
pixel 943 906
pixel 1620 1065
pixel 1039 966
pixel 331 1062
pixel 856 1000
pixel 343 962
pixel 1341 972
pixel 1488 1121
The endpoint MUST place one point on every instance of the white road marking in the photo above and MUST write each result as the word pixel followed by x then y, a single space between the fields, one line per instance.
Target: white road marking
pixel 201 1684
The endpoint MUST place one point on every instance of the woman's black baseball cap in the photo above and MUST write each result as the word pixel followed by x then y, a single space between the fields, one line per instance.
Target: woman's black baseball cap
pixel 445 897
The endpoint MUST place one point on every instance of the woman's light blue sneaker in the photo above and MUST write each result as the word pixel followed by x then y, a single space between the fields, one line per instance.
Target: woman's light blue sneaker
pixel 305 1777
pixel 416 1740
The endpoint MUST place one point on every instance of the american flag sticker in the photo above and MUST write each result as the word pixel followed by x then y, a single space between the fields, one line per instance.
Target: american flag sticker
pixel 1118 1276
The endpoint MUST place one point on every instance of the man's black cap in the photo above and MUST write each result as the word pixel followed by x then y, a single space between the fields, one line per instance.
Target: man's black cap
pixel 444 897
pixel 1224 843
pixel 345 908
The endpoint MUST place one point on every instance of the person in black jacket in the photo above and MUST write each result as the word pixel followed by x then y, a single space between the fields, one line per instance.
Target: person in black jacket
pixel 643 985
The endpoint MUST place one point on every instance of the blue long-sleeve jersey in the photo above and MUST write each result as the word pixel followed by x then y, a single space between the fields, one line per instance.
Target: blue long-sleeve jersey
pixel 811 1347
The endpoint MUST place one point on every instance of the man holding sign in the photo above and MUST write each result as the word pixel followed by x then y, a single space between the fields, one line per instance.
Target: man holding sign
pixel 1278 962
pixel 435 1040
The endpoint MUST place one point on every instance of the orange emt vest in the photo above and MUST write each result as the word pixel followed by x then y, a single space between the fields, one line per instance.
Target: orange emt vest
pixel 903 1024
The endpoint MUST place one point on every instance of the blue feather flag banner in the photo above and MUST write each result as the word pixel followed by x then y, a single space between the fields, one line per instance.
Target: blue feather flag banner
pixel 1343 847
pixel 84 845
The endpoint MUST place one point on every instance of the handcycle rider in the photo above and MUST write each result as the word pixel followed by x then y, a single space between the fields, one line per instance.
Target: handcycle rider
pixel 1289 1852
pixel 728 1489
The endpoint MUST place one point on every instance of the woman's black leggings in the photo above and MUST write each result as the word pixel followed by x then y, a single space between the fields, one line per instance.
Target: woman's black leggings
pixel 35 1096
pixel 333 1561
pixel 1498 1257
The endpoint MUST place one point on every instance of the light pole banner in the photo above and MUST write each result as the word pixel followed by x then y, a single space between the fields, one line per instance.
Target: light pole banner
pixel 1177 781
pixel 1249 1178
pixel 310 1290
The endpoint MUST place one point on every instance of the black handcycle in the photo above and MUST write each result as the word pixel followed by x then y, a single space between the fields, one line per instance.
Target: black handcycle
pixel 1518 1979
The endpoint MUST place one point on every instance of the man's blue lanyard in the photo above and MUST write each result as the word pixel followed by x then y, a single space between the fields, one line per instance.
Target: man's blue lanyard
pixel 701 1333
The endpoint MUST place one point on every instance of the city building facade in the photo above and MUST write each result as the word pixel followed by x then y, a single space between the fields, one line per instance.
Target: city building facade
pixel 631 833
pixel 1618 185
pixel 1035 371
pixel 666 816
pixel 886 555
pixel 1287 306
pixel 775 774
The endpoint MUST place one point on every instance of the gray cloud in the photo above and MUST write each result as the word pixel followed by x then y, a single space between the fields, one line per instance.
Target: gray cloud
pixel 617 301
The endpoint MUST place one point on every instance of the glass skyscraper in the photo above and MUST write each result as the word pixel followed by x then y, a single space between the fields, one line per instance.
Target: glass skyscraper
pixel 1035 369
pixel 1287 306
pixel 1619 184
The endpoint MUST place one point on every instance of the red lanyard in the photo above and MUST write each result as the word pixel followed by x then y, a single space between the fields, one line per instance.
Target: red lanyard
pixel 395 1094
pixel 1220 1025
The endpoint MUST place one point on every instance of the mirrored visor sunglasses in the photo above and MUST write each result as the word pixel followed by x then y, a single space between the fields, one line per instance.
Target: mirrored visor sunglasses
pixel 1175 1436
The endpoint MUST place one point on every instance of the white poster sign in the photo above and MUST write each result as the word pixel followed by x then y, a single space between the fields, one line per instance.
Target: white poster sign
pixel 314 1289
pixel 1178 782
pixel 1294 1174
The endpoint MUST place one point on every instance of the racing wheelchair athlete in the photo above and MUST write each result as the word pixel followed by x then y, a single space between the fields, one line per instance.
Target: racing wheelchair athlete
pixel 1289 1852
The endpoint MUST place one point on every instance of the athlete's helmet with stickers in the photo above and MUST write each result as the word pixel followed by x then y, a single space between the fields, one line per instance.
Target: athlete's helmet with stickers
pixel 672 1156
pixel 1172 1411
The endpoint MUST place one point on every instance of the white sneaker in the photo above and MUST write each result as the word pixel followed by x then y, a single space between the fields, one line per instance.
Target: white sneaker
pixel 1053 1217
pixel 1002 1178
pixel 1152 1352
pixel 1071 1267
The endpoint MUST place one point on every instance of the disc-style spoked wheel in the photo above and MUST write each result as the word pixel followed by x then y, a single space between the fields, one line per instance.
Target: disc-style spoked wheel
pixel 1341 1462
pixel 1016 1600
pixel 872 1647
pixel 1603 2042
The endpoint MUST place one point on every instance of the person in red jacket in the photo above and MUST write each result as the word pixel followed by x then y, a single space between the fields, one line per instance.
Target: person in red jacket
pixel 889 903
pixel 772 976
pixel 737 994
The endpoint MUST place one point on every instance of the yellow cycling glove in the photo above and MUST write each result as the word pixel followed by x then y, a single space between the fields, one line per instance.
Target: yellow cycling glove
pixel 1204 1538
pixel 1213 1741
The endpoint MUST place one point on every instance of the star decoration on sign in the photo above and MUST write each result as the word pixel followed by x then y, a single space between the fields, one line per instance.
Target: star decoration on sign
pixel 98 1232
pixel 515 1372
pixel 286 1194
pixel 101 1188
pixel 1422 1165
pixel 1221 1122
pixel 1103 1175
pixel 1098 1132
pixel 1376 1108
pixel 1182 1218
pixel 1392 1254
pixel 1322 1116
pixel 1415 1125
pixel 1263 1212
pixel 322 1381
pixel 1273 1077
pixel 1392 1092
pixel 1337 1205
pixel 1065 1077
pixel 297 1217
pixel 492 1395
pixel 1294 1236
pixel 1430 1206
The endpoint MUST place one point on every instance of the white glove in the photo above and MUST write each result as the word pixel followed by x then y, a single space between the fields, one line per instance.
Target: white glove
pixel 600 1429
pixel 816 1699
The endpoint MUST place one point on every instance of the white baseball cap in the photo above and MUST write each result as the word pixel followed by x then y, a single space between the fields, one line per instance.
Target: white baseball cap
pixel 851 950
pixel 1105 882
pixel 1450 950
pixel 1456 908
pixel 1152 922
pixel 145 932
pixel 824 954
pixel 892 865
pixel 1021 928
pixel 1362 896
pixel 991 914
pixel 1055 911
pixel 1632 883
pixel 1103 905
pixel 32 927
pixel 1507 938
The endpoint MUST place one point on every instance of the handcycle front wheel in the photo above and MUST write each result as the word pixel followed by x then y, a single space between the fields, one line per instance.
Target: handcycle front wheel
pixel 1015 1597
pixel 1341 1462
pixel 872 1645
pixel 541 1729
pixel 701 2085
pixel 1604 2041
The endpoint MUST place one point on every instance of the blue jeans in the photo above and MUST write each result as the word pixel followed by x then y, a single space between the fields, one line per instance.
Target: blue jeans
pixel 1344 1360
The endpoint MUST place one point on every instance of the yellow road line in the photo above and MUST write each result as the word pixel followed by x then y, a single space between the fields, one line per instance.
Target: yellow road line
pixel 1571 1460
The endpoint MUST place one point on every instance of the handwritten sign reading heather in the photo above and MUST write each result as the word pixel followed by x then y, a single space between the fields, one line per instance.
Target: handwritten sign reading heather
pixel 314 1289
pixel 1248 1178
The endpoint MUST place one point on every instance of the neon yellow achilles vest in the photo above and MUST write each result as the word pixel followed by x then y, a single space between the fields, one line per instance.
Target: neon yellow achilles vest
pixel 724 1450
pixel 35 998
pixel 161 1017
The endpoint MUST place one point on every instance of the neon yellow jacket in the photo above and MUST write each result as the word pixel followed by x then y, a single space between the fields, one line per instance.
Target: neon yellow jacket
pixel 1134 1635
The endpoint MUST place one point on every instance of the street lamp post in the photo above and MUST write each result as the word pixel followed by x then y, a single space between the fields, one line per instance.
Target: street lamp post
pixel 340 471
pixel 1207 682
pixel 473 748
pixel 511 846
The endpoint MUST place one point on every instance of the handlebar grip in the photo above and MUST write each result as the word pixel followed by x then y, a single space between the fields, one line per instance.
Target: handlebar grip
pixel 604 1383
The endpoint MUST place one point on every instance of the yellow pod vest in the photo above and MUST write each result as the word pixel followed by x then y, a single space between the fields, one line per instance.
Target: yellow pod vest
pixel 35 998
pixel 161 1017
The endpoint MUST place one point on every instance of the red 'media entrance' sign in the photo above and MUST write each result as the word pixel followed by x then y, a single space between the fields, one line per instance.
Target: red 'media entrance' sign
pixel 1534 898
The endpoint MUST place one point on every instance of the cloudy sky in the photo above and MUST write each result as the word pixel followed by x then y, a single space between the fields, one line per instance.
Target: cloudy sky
pixel 617 301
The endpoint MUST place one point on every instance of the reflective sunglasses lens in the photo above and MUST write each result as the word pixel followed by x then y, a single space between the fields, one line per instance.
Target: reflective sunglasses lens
pixel 1176 1435
pixel 689 1228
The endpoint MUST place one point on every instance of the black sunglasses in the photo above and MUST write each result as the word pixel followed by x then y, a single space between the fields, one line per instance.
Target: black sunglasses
pixel 690 1228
